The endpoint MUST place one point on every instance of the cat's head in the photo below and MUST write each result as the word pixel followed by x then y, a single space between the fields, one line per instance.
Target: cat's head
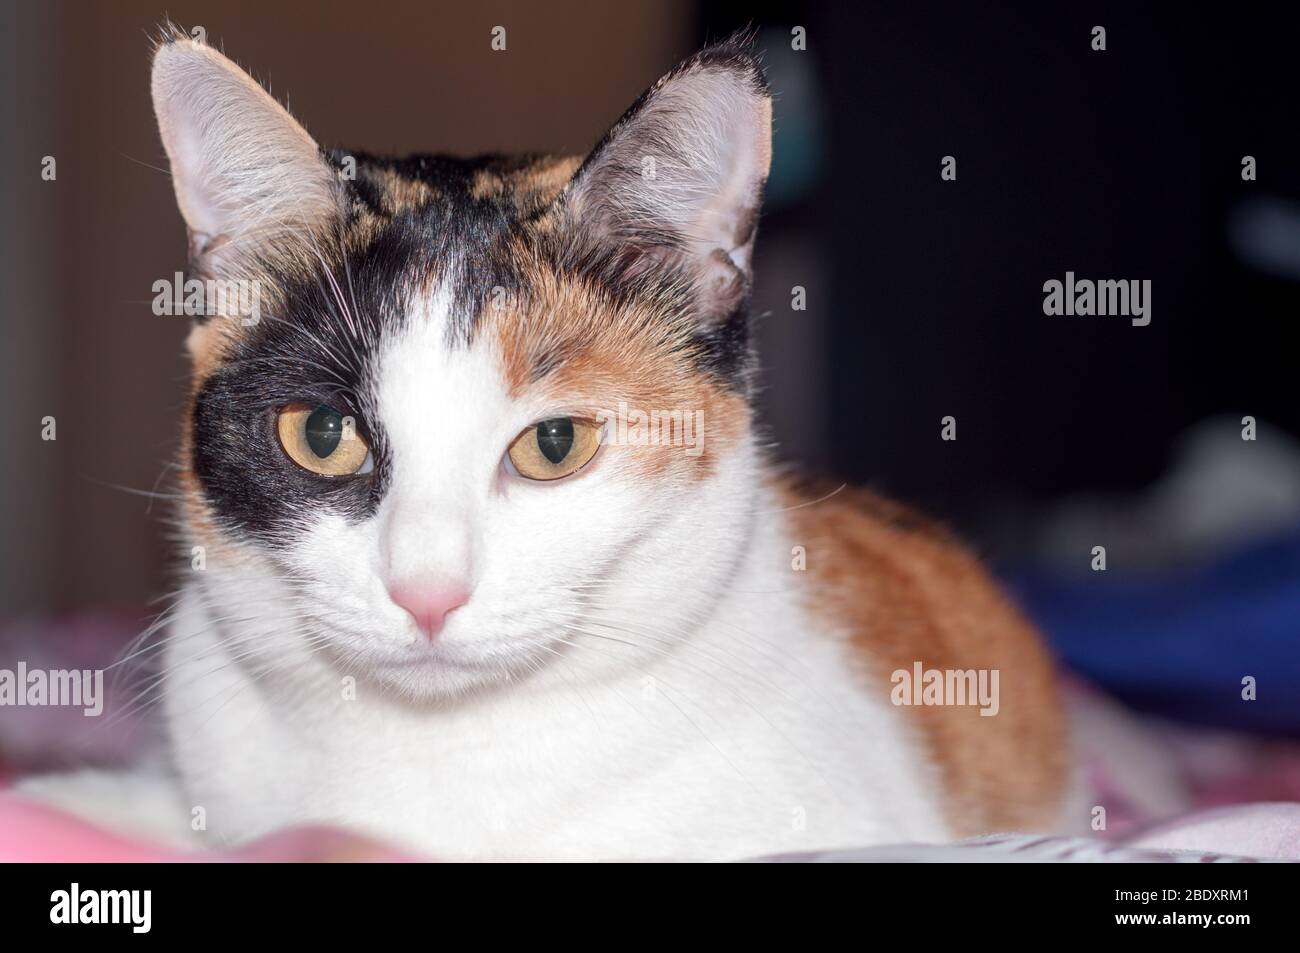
pixel 457 418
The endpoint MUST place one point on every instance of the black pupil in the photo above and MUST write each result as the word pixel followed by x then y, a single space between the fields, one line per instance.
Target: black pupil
pixel 324 430
pixel 555 438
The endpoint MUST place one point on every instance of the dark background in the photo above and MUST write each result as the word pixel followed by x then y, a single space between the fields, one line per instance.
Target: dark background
pixel 1123 163
pixel 924 296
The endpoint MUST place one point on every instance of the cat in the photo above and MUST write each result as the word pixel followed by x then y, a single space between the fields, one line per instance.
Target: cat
pixel 446 601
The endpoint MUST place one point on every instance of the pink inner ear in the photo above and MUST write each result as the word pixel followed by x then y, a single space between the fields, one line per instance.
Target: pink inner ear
pixel 722 284
pixel 193 192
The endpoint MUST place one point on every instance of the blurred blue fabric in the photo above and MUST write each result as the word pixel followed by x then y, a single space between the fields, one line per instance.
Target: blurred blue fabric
pixel 1179 643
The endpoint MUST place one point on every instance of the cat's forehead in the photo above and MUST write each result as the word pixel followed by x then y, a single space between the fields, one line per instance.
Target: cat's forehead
pixel 472 235
pixel 511 186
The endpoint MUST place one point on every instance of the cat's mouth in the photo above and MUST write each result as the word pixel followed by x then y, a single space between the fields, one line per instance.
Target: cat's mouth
pixel 479 657
pixel 426 657
pixel 426 671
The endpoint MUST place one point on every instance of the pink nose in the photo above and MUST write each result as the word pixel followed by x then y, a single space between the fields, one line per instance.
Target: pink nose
pixel 429 603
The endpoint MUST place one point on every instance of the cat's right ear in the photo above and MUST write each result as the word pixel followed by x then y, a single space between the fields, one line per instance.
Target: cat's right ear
pixel 248 178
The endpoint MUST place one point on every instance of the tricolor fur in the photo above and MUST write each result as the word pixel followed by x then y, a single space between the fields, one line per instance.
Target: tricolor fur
pixel 640 670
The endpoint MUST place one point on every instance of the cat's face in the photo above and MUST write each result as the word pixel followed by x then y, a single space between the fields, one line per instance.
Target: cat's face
pixel 487 409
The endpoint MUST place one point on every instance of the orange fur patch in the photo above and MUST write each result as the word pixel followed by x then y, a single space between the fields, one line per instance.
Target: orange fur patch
pixel 208 343
pixel 905 592
pixel 400 192
pixel 529 186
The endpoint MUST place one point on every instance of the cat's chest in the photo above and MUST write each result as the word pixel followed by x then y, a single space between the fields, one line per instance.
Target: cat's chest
pixel 584 776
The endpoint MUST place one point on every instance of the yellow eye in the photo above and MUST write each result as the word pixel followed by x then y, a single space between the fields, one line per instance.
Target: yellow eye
pixel 322 440
pixel 555 448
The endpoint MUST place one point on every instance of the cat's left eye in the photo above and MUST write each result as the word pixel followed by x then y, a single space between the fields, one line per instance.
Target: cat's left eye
pixel 322 440
pixel 554 448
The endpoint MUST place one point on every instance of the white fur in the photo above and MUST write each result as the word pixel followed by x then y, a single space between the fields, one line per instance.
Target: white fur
pixel 685 706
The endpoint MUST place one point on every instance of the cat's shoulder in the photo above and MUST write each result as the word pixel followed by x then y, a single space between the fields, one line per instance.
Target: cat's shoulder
pixel 905 592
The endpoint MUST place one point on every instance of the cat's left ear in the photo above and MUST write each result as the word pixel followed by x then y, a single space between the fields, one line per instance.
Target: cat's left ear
pixel 679 179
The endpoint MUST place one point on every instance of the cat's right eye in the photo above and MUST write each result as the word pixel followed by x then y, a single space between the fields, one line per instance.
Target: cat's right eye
pixel 322 440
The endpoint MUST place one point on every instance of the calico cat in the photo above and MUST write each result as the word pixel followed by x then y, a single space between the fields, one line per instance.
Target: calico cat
pixel 462 593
